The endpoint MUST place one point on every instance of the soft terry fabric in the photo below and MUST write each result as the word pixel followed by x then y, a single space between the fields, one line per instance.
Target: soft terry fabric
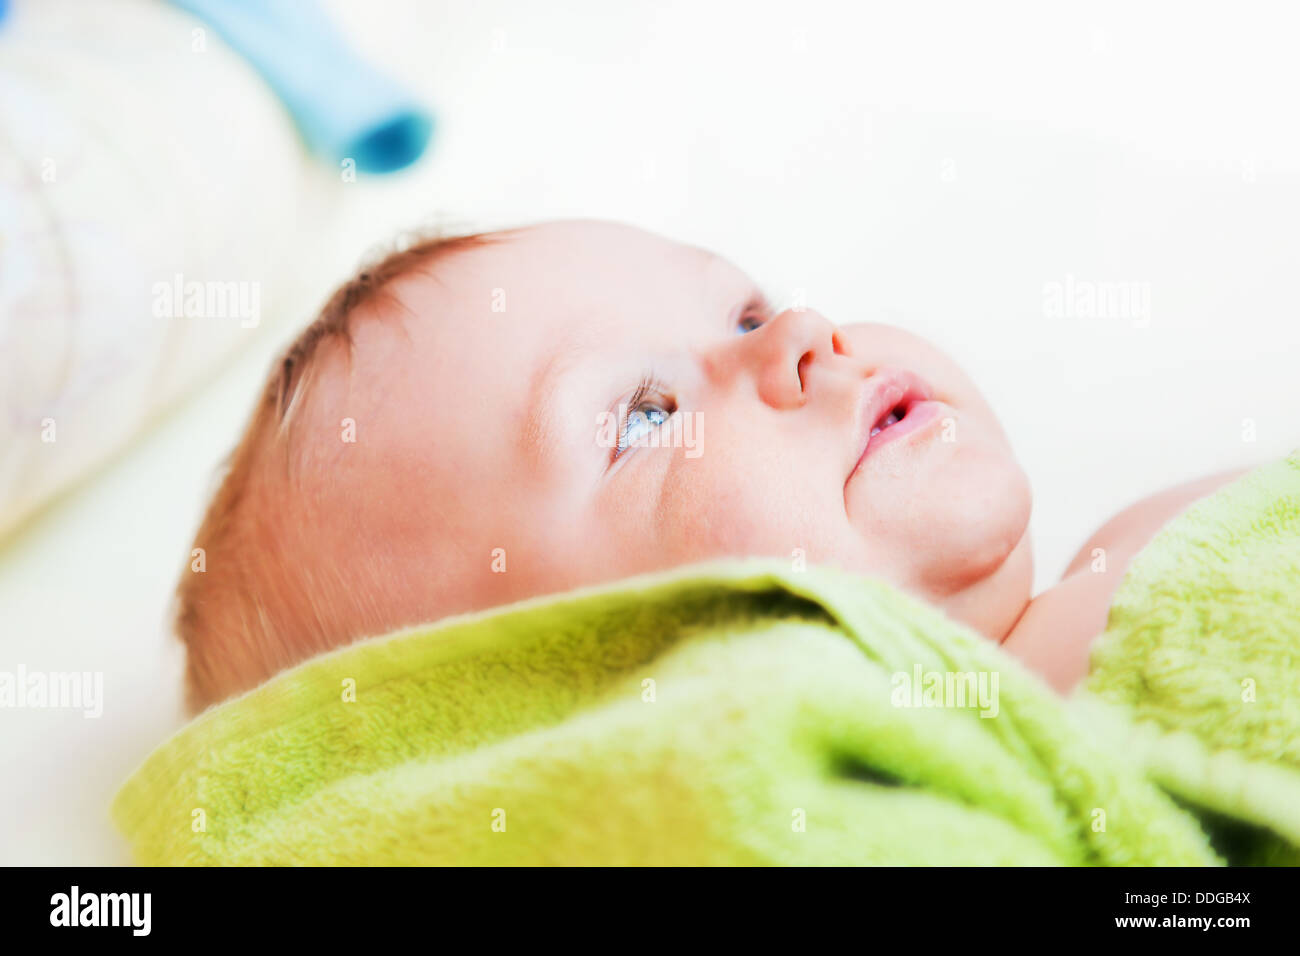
pixel 742 712
pixel 1202 650
pixel 770 734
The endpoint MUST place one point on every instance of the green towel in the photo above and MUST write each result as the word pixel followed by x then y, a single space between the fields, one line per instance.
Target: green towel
pixel 1202 652
pixel 729 713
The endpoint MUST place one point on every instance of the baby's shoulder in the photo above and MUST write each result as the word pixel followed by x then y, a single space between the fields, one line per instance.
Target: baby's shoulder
pixel 1055 633
pixel 1124 535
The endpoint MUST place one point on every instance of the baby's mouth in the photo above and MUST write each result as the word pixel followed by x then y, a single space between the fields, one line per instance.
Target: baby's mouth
pixel 895 416
pixel 894 403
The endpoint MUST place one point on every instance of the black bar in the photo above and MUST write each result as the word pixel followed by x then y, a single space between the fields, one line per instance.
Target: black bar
pixel 328 905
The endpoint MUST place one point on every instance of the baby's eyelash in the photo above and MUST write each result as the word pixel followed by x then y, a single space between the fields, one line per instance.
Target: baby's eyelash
pixel 758 309
pixel 649 387
pixel 648 384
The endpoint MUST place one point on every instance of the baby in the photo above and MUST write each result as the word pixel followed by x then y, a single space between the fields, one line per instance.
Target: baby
pixel 486 418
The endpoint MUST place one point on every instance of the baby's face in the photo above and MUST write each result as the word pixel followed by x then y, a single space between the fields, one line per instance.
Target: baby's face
pixel 492 460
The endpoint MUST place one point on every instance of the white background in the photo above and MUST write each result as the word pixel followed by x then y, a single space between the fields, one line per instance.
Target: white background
pixel 931 165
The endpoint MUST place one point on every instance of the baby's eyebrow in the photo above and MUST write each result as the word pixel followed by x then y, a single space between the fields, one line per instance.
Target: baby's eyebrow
pixel 539 436
pixel 758 302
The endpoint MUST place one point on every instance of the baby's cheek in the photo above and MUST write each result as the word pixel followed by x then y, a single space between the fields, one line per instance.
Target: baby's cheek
pixel 710 511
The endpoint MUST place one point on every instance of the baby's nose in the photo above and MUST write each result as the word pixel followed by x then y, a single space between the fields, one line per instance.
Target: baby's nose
pixel 790 350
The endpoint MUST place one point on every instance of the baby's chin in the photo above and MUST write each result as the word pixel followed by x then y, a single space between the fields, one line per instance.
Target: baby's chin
pixel 955 510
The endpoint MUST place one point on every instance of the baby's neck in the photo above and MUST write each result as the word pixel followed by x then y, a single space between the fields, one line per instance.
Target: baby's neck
pixel 996 604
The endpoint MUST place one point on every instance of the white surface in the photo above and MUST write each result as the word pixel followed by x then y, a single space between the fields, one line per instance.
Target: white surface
pixel 929 165
pixel 111 183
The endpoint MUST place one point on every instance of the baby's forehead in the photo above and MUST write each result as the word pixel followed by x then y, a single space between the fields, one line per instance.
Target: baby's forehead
pixel 596 272
pixel 555 288
pixel 570 264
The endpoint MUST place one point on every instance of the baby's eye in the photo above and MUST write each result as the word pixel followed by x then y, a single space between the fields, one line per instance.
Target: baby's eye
pixel 643 419
pixel 749 323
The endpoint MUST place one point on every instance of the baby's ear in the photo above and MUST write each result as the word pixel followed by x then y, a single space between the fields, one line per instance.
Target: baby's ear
pixel 195 702
pixel 197 696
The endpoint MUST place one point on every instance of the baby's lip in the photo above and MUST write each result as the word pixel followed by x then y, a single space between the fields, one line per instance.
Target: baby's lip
pixel 882 392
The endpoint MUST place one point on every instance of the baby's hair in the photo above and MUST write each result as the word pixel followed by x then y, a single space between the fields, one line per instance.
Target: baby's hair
pixel 231 636
pixel 335 318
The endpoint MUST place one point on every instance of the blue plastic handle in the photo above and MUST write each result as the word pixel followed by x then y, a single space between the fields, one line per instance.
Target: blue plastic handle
pixel 343 107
